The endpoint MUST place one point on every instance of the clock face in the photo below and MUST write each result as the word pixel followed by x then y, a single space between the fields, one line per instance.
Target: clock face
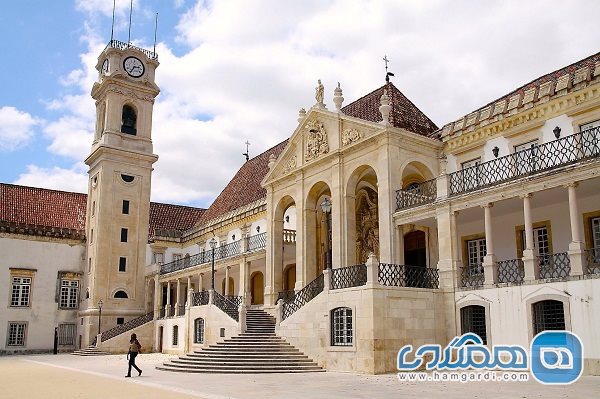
pixel 105 66
pixel 133 66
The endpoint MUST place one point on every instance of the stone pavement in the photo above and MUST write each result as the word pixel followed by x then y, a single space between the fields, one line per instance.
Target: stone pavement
pixel 67 376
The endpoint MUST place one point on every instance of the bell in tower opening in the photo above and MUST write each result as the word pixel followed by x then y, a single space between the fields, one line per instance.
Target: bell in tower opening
pixel 128 120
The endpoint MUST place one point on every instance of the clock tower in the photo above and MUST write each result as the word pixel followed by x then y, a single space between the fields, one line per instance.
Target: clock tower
pixel 118 202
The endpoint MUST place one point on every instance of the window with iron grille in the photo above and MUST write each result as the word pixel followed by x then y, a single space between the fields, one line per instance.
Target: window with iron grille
pixel 21 291
pixel 548 315
pixel 476 251
pixel 199 331
pixel 542 239
pixel 175 335
pixel 595 222
pixel 472 319
pixel 341 327
pixel 66 334
pixel 16 334
pixel 69 294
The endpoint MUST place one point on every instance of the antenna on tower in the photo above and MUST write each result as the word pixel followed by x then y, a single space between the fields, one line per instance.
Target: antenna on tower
pixel 155 30
pixel 247 154
pixel 130 12
pixel 112 27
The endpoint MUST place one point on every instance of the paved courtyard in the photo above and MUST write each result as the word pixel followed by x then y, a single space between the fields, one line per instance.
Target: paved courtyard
pixel 67 376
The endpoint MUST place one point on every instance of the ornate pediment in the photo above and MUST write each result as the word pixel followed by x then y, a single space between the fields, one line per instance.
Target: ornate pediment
pixel 316 140
pixel 290 165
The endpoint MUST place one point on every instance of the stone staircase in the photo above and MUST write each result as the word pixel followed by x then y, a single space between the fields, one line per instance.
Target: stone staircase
pixel 90 351
pixel 258 350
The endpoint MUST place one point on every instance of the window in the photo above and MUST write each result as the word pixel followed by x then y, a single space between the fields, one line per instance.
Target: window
pixel 121 295
pixel 128 120
pixel 91 236
pixel 471 173
pixel 341 327
pixel 120 320
pixel 122 264
pixel 526 157
pixel 595 224
pixel 125 209
pixel 176 257
pixel 93 208
pixel 542 240
pixel 66 334
pixel 123 235
pixel 69 294
pixel 590 137
pixel 199 331
pixel 548 315
pixel 175 335
pixel 16 334
pixel 21 291
pixel 127 178
pixel 89 265
pixel 476 251
pixel 158 258
pixel 472 320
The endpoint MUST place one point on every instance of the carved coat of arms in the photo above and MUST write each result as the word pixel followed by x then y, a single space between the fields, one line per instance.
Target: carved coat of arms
pixel 316 140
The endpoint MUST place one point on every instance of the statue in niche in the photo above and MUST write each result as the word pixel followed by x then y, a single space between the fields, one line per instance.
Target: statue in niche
pixel 367 224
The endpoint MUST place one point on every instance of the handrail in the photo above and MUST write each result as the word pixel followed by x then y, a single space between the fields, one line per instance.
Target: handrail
pixel 302 297
pixel 419 194
pixel 350 276
pixel 226 305
pixel 130 325
pixel 531 161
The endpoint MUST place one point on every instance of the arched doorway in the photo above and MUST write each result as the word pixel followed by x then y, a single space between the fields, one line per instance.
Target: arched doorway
pixel 231 287
pixel 362 210
pixel 318 231
pixel 415 249
pixel 257 287
pixel 289 278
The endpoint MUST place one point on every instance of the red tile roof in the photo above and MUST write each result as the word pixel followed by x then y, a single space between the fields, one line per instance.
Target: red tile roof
pixel 22 205
pixel 245 186
pixel 589 62
pixel 404 113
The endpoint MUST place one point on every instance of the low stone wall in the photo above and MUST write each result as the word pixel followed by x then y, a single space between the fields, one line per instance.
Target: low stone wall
pixel 120 343
pixel 384 319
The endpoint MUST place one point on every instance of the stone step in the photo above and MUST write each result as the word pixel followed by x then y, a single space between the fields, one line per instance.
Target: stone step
pixel 289 350
pixel 90 351
pixel 240 371
pixel 244 344
pixel 242 363
pixel 253 356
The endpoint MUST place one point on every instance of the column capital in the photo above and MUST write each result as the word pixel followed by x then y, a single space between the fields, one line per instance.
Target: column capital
pixel 571 184
pixel 487 205
pixel 528 195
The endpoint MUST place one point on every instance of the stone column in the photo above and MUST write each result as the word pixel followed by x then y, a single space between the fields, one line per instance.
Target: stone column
pixel 157 297
pixel 326 280
pixel 338 242
pixel 189 284
pixel 386 203
pixel 530 253
pixel 576 246
pixel 227 280
pixel 449 267
pixel 244 277
pixel 489 261
pixel 200 281
pixel 168 305
pixel 372 271
pixel 300 223
pixel 178 297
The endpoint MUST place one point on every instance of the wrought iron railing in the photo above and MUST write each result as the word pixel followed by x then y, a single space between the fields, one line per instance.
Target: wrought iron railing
pixel 122 46
pixel 285 295
pixel 130 325
pixel 472 276
pixel 302 297
pixel 161 312
pixel 556 265
pixel 407 276
pixel 538 158
pixel 180 311
pixel 170 310
pixel 224 251
pixel 200 298
pixel 289 236
pixel 419 194
pixel 228 250
pixel 592 260
pixel 256 242
pixel 350 276
pixel 511 271
pixel 237 300
pixel 227 306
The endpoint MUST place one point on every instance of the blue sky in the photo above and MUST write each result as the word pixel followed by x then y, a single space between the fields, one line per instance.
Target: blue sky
pixel 237 70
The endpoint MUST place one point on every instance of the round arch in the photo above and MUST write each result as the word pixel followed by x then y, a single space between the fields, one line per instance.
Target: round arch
pixel 316 237
pixel 415 172
pixel 257 288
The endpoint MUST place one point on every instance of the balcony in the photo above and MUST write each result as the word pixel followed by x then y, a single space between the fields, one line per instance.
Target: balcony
pixel 253 243
pixel 416 194
pixel 529 162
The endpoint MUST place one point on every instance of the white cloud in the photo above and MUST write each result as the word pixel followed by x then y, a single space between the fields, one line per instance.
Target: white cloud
pixel 16 128
pixel 74 179
pixel 249 66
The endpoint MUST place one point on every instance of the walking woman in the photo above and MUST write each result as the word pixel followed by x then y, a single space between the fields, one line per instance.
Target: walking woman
pixel 134 349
